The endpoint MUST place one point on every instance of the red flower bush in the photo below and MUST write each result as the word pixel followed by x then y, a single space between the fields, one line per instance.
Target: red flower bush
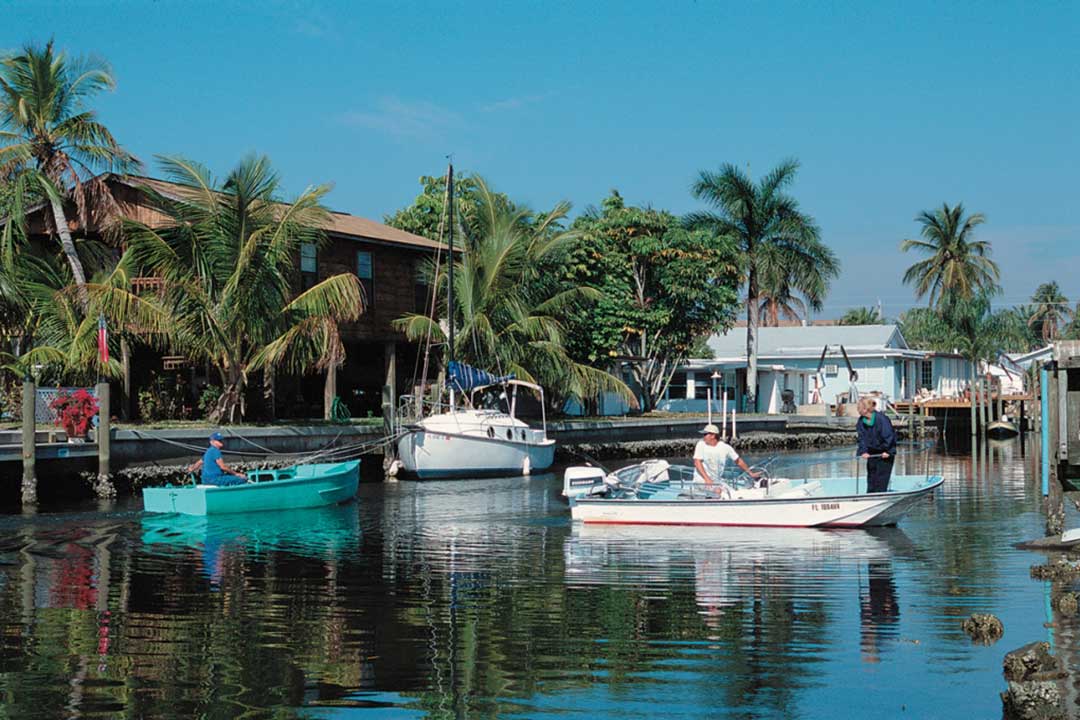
pixel 74 411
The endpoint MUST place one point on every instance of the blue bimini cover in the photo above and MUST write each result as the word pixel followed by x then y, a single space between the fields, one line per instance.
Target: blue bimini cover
pixel 462 377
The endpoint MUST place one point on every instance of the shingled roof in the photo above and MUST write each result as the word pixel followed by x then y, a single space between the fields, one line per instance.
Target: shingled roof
pixel 341 223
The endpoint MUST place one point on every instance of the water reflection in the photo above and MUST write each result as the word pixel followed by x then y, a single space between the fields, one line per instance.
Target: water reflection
pixel 481 598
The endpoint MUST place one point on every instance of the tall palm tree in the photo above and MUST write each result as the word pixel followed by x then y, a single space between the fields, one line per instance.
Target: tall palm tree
pixel 775 238
pixel 1050 312
pixel 46 129
pixel 507 317
pixel 226 260
pixel 957 264
pixel 862 316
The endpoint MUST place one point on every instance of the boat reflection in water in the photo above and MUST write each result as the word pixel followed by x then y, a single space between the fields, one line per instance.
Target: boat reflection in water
pixel 319 533
pixel 806 570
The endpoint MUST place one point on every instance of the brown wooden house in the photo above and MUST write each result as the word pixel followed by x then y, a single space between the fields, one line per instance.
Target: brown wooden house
pixel 386 260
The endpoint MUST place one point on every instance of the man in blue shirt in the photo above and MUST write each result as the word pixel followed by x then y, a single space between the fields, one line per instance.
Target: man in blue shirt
pixel 214 469
pixel 877 443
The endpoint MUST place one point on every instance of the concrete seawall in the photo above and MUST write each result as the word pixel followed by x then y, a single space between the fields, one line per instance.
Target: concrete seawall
pixel 617 436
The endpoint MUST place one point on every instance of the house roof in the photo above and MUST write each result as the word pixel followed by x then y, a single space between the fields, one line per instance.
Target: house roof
pixel 809 341
pixel 340 223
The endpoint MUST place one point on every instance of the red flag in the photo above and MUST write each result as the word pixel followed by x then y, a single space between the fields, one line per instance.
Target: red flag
pixel 102 340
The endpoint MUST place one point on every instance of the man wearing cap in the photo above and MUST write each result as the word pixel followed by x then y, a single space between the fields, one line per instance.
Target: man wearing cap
pixel 214 469
pixel 711 456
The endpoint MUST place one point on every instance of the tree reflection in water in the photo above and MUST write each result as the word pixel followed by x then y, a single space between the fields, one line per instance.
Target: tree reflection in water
pixel 481 599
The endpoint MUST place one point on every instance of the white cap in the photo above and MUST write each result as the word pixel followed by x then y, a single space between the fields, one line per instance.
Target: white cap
pixel 710 428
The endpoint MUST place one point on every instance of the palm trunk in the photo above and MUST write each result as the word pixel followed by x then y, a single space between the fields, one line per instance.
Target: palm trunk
pixel 751 341
pixel 330 391
pixel 231 398
pixel 70 252
pixel 269 393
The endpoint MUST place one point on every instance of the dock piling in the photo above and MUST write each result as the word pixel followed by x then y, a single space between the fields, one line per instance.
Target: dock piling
pixel 104 486
pixel 29 443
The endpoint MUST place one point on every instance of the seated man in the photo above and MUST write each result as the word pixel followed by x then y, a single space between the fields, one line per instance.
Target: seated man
pixel 214 469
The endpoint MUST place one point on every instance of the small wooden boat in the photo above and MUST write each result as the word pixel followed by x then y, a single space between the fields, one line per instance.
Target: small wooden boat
pixel 656 493
pixel 1001 429
pixel 300 486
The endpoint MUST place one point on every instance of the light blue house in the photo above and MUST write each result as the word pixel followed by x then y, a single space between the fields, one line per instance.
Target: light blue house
pixel 813 362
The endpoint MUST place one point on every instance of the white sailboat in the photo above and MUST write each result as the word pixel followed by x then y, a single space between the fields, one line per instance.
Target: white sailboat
pixel 477 438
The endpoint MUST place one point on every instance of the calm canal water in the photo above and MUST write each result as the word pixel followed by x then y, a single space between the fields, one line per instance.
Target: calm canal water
pixel 480 598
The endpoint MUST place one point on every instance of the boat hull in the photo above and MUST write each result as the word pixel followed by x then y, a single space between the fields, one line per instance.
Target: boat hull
pixel 1001 430
pixel 303 486
pixel 431 455
pixel 851 510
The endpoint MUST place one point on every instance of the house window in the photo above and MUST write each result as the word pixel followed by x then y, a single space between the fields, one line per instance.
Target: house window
pixel 677 387
pixel 420 292
pixel 926 374
pixel 309 266
pixel 364 272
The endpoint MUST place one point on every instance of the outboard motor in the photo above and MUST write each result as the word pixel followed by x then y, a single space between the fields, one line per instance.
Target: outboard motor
pixel 582 479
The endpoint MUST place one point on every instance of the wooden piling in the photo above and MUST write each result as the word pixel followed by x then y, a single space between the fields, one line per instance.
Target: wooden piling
pixel 104 487
pixel 29 443
pixel 974 404
pixel 986 400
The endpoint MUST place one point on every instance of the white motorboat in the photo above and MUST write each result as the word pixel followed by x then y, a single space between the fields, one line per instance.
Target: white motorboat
pixel 657 493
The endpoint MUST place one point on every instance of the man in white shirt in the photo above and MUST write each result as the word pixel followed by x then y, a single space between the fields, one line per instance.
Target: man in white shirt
pixel 711 457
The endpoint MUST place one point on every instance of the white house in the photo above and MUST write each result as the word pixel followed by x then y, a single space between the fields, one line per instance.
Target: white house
pixel 810 361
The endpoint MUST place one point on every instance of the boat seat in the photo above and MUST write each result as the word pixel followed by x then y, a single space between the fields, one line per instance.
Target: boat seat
pixel 809 489
pixel 657 491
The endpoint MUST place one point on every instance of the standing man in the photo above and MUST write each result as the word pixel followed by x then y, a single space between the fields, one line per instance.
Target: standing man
pixel 214 469
pixel 711 457
pixel 877 445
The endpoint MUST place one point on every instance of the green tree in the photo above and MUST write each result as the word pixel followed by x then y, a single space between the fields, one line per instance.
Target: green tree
pixel 472 198
pixel 1050 311
pixel 957 266
pixel 227 262
pixel 47 130
pixel 662 288
pixel 776 241
pixel 862 316
pixel 508 317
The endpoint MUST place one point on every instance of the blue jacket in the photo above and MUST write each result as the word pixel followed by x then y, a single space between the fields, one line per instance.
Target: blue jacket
pixel 877 438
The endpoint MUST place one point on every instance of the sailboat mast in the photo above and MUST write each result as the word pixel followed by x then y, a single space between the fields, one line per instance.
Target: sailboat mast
pixel 450 263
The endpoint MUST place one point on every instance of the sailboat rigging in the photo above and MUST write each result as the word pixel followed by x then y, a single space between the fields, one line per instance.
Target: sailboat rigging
pixel 472 440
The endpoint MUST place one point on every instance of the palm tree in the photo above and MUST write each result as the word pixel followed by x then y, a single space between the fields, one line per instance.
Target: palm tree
pixel 46 130
pixel 1050 312
pixel 226 260
pixel 775 239
pixel 507 317
pixel 862 316
pixel 957 264
pixel 779 300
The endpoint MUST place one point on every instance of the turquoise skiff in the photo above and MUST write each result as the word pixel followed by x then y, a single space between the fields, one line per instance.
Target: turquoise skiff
pixel 300 486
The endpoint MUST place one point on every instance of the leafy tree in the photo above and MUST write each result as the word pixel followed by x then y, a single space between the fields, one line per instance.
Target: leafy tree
pixel 958 267
pixel 1050 312
pixel 509 317
pixel 471 198
pixel 47 131
pixel 777 243
pixel 662 288
pixel 227 262
pixel 862 316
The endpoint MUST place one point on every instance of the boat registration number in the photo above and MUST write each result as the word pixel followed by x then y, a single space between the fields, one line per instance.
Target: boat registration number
pixel 825 506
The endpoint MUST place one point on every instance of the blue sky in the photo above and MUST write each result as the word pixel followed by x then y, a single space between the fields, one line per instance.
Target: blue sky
pixel 890 107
